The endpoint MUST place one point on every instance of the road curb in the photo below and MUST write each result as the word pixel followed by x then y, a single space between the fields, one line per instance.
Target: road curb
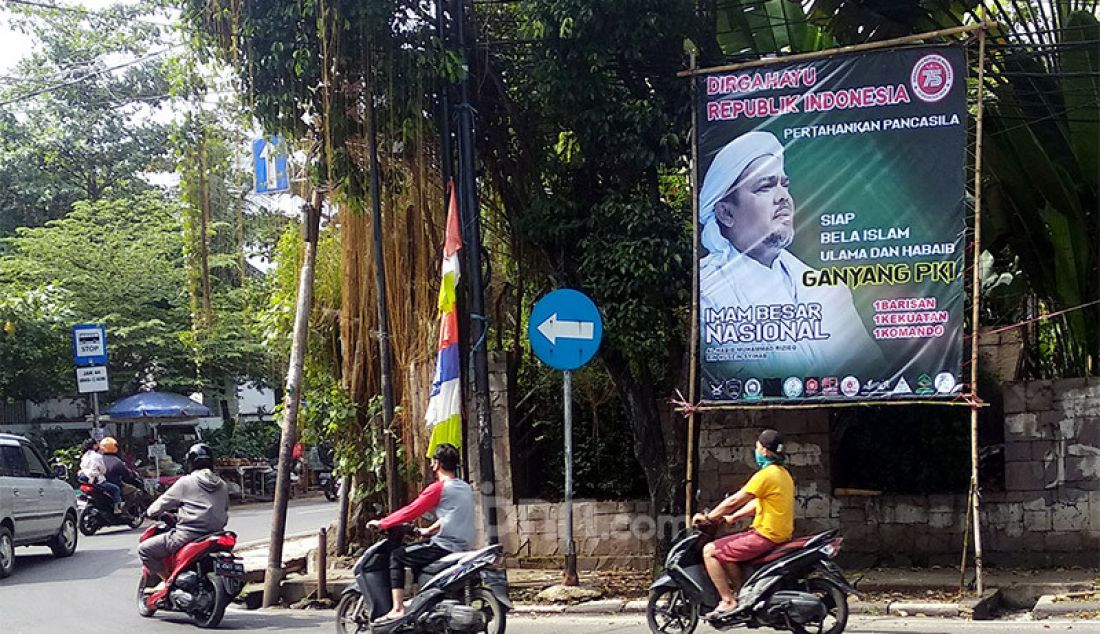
pixel 257 543
pixel 912 608
pixel 590 608
pixel 1047 607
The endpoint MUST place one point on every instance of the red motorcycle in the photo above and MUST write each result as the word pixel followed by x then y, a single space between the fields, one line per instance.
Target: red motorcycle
pixel 205 577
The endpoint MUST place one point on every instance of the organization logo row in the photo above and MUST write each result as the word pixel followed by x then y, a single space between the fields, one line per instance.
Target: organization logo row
pixel 795 387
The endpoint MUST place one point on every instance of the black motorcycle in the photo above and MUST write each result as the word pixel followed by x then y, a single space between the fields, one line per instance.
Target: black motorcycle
pixel 463 592
pixel 99 508
pixel 330 485
pixel 796 587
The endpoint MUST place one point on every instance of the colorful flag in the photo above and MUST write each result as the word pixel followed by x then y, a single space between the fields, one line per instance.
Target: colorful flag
pixel 444 415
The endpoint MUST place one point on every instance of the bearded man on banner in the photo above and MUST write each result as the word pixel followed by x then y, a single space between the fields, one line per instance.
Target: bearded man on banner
pixel 747 217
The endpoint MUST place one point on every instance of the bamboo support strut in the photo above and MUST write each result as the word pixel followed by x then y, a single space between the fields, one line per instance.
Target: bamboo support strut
pixel 975 331
pixel 854 48
pixel 693 346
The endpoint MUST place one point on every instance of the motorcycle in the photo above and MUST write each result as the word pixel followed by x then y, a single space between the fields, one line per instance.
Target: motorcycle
pixel 796 587
pixel 462 592
pixel 205 577
pixel 330 485
pixel 99 508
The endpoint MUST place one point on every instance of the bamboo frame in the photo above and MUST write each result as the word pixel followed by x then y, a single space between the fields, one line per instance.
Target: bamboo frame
pixel 854 48
pixel 975 305
pixel 971 399
pixel 693 346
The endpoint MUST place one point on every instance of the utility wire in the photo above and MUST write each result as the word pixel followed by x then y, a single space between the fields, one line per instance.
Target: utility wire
pixel 87 12
pixel 40 91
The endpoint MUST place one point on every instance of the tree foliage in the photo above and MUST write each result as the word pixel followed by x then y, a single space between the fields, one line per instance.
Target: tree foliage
pixel 71 129
pixel 120 263
pixel 34 347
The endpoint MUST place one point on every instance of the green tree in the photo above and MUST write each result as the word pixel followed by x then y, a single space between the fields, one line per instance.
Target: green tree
pixel 584 137
pixel 75 121
pixel 120 263
pixel 35 350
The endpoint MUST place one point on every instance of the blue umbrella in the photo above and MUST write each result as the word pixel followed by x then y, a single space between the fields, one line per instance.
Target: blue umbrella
pixel 157 405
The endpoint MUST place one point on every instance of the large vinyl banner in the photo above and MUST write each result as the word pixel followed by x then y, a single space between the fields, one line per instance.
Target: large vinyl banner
pixel 832 230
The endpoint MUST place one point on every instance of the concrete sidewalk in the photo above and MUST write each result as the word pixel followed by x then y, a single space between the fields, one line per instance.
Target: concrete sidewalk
pixel 882 591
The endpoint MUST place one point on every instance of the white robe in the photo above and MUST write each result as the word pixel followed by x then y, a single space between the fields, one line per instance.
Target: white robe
pixel 731 279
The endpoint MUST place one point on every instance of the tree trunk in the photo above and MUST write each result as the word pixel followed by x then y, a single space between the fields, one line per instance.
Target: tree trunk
pixel 658 447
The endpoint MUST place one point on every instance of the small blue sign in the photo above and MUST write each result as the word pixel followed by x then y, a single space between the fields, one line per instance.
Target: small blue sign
pixel 89 344
pixel 565 329
pixel 269 165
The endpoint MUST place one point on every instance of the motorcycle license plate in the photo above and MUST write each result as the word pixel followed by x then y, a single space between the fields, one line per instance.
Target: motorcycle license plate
pixel 228 568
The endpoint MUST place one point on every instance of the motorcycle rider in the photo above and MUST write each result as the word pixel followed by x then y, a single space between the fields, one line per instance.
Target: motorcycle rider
pixel 93 470
pixel 117 472
pixel 769 496
pixel 201 501
pixel 451 500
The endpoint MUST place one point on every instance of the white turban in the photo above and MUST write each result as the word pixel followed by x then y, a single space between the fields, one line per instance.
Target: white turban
pixel 723 175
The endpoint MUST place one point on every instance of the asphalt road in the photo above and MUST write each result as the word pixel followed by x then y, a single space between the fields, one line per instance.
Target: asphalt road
pixel 94 590
pixel 93 593
pixel 861 625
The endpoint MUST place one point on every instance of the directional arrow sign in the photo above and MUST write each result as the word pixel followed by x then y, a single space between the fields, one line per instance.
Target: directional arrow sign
pixel 269 166
pixel 565 329
pixel 554 329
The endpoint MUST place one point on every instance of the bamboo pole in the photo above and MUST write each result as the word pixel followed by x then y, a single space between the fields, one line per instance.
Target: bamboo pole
pixel 693 346
pixel 854 48
pixel 975 331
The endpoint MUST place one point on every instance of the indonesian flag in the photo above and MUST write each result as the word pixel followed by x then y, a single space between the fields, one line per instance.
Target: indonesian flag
pixel 444 415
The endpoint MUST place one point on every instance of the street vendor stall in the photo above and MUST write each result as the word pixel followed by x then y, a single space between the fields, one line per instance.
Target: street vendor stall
pixel 172 420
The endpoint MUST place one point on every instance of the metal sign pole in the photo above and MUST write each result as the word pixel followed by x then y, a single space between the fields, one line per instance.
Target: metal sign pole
pixel 95 411
pixel 565 330
pixel 570 545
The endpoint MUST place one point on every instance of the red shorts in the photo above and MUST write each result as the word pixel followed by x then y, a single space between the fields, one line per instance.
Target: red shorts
pixel 741 547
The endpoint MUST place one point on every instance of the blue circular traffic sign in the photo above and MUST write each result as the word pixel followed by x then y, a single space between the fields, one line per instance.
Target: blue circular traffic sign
pixel 565 329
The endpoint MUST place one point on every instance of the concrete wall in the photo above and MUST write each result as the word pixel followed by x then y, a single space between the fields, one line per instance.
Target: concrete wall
pixel 1049 513
pixel 608 535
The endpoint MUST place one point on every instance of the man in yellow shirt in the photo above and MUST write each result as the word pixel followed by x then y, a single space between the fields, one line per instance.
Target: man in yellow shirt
pixel 769 495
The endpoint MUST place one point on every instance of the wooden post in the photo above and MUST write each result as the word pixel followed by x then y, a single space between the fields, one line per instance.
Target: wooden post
pixel 693 345
pixel 342 516
pixel 322 564
pixel 975 304
pixel 311 218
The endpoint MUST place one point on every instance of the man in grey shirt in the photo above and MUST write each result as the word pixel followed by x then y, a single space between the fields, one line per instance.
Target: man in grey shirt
pixel 452 502
pixel 201 503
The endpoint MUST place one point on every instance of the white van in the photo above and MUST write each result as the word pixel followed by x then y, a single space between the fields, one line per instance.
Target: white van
pixel 36 508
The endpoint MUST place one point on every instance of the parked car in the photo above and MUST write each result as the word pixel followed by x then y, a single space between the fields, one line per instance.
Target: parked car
pixel 36 507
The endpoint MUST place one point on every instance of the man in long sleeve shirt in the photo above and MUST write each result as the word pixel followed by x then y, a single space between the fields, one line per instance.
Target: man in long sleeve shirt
pixel 451 500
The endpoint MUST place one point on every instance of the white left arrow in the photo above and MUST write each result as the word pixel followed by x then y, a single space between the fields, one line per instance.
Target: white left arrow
pixel 554 329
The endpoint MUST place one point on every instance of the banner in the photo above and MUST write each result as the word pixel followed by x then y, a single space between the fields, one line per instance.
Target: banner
pixel 832 230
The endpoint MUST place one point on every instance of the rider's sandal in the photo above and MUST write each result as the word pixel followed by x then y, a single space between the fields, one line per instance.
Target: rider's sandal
pixel 717 614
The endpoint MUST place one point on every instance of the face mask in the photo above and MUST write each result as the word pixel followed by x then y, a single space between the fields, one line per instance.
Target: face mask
pixel 762 460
